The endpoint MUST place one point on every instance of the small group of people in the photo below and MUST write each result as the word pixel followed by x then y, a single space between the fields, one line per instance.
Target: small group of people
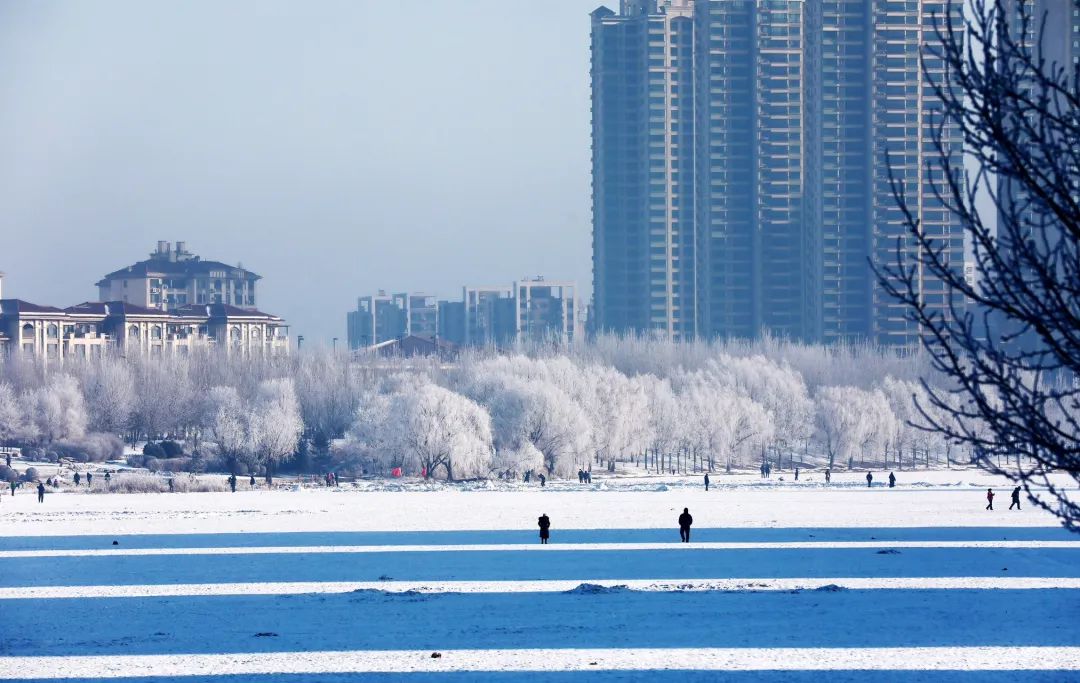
pixel 870 479
pixel 233 481
pixel 1015 499
pixel 330 478
pixel 685 521
pixel 766 470
pixel 584 476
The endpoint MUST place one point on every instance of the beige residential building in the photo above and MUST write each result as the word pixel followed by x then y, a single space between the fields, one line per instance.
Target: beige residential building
pixel 174 277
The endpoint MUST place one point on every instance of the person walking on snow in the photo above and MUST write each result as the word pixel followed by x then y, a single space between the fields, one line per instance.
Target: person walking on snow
pixel 796 474
pixel 706 481
pixel 544 524
pixel 1015 498
pixel 989 499
pixel 13 485
pixel 828 476
pixel 869 480
pixel 77 477
pixel 543 480
pixel 232 483
pixel 685 520
pixel 40 492
pixel 892 480
pixel 251 483
pixel 89 478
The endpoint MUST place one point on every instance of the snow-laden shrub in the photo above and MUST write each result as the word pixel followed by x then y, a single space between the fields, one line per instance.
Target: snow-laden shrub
pixel 31 474
pixel 95 447
pixel 153 450
pixel 8 474
pixel 136 482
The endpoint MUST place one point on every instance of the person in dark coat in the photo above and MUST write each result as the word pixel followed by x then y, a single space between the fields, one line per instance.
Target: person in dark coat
pixel 1015 498
pixel 543 480
pixel 77 478
pixel 892 480
pixel 528 475
pixel 828 476
pixel 251 482
pixel 40 492
pixel 545 525
pixel 685 520
pixel 232 482
pixel 706 481
pixel 989 499
pixel 13 485
pixel 869 480
pixel 107 478
pixel 89 478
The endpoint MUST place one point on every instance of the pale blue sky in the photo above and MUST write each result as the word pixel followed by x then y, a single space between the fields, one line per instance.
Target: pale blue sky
pixel 332 147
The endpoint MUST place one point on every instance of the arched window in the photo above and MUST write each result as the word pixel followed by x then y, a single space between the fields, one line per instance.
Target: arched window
pixel 155 332
pixel 235 335
pixel 27 331
pixel 52 331
pixel 255 334
pixel 133 332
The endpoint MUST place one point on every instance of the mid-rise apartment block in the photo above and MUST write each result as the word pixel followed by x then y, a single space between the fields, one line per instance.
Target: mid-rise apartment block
pixel 529 310
pixel 175 277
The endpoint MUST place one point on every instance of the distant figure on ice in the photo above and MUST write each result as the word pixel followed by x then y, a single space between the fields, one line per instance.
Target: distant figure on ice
pixel 685 520
pixel 989 499
pixel 706 481
pixel 796 474
pixel 172 487
pixel 543 480
pixel 13 485
pixel 1015 498
pixel 232 482
pixel 9 459
pixel 40 492
pixel 89 478
pixel 828 476
pixel 869 480
pixel 77 478
pixel 544 524
pixel 768 470
pixel 528 475
pixel 107 478
pixel 251 482
pixel 762 470
pixel 892 480
pixel 588 477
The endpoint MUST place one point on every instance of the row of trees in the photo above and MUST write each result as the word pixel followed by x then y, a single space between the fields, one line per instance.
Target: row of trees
pixel 660 405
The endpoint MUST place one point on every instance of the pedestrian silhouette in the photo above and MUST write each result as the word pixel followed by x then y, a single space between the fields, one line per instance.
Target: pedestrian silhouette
pixel 892 480
pixel 796 474
pixel 545 525
pixel 869 479
pixel 706 481
pixel 1015 498
pixel 828 476
pixel 543 480
pixel 685 520
pixel 77 477
pixel 989 499
pixel 40 492
pixel 89 478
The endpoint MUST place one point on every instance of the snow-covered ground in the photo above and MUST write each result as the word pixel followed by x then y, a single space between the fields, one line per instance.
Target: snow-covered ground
pixel 782 581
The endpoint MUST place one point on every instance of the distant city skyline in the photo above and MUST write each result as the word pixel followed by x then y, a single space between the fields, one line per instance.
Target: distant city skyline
pixel 330 156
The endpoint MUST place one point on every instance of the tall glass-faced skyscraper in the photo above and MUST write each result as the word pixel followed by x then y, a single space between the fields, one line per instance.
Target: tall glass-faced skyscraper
pixel 755 138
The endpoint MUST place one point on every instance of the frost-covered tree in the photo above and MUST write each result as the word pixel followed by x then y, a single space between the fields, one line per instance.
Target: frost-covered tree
pixel 227 427
pixel 59 410
pixel 109 389
pixel 274 424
